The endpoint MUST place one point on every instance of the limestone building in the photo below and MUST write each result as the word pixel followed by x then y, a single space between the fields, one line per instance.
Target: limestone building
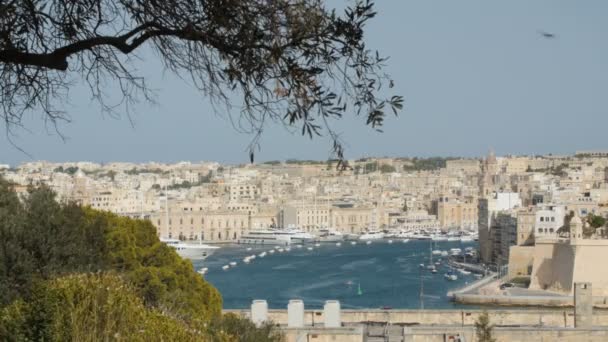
pixel 560 262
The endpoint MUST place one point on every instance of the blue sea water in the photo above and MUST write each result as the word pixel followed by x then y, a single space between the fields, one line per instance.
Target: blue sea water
pixel 387 274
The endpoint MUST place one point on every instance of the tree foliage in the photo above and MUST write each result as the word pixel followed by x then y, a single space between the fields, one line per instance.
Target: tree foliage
pixel 294 62
pixel 69 273
pixel 484 329
pixel 385 168
pixel 231 327
pixel 432 163
pixel 40 238
pixel 89 307
pixel 593 223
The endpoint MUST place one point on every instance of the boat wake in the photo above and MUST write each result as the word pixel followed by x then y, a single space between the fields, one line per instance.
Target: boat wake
pixel 358 263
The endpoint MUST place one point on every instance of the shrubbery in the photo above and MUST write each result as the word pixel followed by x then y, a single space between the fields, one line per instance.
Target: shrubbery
pixel 69 273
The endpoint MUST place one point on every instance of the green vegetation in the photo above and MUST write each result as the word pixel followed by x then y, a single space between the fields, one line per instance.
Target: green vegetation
pixel 230 325
pixel 69 170
pixel 594 222
pixel 89 307
pixel 135 171
pixel 304 162
pixel 272 162
pixel 422 164
pixel 370 167
pixel 385 168
pixel 69 273
pixel 373 167
pixel 559 170
pixel 483 328
pixel 523 281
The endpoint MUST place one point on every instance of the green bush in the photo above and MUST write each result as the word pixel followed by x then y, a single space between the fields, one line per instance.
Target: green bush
pixel 89 307
pixel 69 273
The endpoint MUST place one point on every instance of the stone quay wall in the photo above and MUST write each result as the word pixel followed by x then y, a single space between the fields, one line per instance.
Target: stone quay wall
pixel 526 317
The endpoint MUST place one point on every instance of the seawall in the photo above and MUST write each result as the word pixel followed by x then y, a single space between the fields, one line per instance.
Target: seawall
pixel 538 317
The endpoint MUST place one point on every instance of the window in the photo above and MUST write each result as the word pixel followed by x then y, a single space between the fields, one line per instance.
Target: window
pixel 552 219
pixel 542 219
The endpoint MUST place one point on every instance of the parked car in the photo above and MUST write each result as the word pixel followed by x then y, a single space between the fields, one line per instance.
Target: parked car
pixel 506 286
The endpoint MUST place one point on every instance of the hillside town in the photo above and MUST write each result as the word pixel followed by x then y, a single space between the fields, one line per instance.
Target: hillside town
pixel 509 201
pixel 540 221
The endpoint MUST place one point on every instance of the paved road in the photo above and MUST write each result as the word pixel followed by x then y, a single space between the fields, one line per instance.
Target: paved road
pixel 516 291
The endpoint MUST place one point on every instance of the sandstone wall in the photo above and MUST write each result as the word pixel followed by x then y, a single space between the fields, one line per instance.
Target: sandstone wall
pixel 521 259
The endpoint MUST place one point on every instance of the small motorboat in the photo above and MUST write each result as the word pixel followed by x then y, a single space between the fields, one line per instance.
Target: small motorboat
pixel 202 271
pixel 368 242
pixel 406 240
pixel 225 267
pixel 310 248
pixel 317 245
pixel 338 244
pixel 287 249
pixel 353 243
pixel 463 271
pixel 248 248
pixel 261 255
pixel 281 250
pixel 390 241
pixel 450 276
pixel 271 251
pixel 233 263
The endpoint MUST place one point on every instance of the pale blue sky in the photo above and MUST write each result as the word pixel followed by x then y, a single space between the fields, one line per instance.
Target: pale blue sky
pixel 474 74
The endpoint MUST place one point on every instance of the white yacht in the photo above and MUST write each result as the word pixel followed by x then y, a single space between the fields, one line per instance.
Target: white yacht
pixel 439 238
pixel 275 237
pixel 299 236
pixel 194 251
pixel 329 235
pixel 372 235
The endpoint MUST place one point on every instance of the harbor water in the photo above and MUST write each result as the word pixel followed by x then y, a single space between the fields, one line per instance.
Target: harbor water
pixel 361 276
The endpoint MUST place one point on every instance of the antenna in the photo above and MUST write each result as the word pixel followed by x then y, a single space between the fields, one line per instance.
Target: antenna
pixel 421 291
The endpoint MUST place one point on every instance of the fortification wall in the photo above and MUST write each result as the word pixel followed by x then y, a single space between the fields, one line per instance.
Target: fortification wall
pixel 521 259
pixel 544 317
pixel 553 266
pixel 590 265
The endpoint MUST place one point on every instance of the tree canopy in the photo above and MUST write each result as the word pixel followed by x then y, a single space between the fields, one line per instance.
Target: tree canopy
pixel 293 62
pixel 73 273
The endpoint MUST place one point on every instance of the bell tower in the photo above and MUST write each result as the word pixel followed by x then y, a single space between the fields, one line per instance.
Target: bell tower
pixel 576 228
